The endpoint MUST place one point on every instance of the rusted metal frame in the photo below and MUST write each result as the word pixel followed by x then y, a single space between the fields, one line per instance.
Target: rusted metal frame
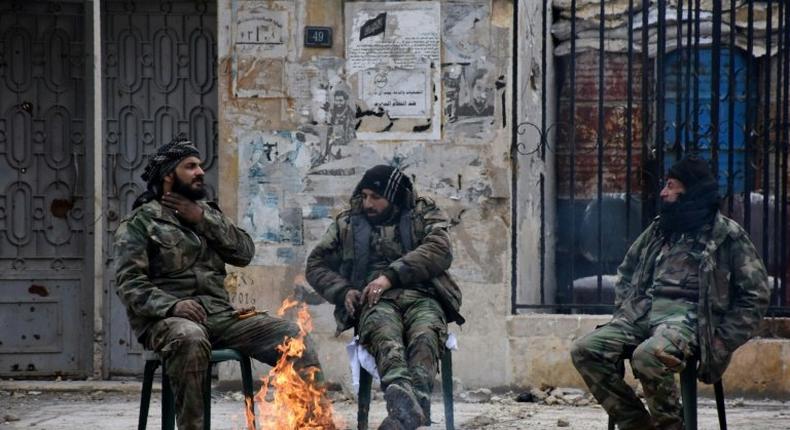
pixel 629 119
pixel 681 123
pixel 777 142
pixel 572 128
pixel 648 181
pixel 731 96
pixel 766 111
pixel 785 124
pixel 544 142
pixel 660 91
pixel 715 87
pixel 748 126
pixel 599 147
pixel 686 68
pixel 695 88
pixel 514 167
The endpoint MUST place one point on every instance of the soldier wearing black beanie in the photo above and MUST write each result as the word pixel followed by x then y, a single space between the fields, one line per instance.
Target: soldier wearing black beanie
pixel 388 182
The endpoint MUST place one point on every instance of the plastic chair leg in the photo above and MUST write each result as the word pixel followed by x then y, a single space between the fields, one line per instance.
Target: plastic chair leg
pixel 688 391
pixel 168 402
pixel 207 398
pixel 718 388
pixel 447 389
pixel 145 395
pixel 363 398
pixel 246 384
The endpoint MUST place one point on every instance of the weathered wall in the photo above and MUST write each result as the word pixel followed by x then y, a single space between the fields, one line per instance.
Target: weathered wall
pixel 290 153
pixel 540 347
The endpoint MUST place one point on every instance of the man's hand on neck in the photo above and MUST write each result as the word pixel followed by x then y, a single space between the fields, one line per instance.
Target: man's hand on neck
pixel 184 208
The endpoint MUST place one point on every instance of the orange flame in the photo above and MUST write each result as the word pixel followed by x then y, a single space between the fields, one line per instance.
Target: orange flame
pixel 289 400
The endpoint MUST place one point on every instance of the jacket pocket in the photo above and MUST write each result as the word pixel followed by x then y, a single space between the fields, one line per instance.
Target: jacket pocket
pixel 720 290
pixel 170 253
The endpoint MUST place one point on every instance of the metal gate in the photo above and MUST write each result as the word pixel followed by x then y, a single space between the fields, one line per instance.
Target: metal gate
pixel 640 84
pixel 159 68
pixel 45 286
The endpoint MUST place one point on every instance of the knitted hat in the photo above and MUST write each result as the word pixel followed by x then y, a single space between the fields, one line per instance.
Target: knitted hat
pixel 388 182
pixel 167 158
pixel 691 171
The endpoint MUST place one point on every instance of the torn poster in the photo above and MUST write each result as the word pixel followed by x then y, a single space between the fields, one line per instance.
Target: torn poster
pixel 261 39
pixel 393 56
pixel 271 168
pixel 466 31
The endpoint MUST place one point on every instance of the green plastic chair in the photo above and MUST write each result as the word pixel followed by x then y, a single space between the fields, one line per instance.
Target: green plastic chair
pixel 366 380
pixel 688 394
pixel 153 360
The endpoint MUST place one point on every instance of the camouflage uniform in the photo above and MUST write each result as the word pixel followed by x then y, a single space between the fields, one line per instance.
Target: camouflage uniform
pixel 406 330
pixel 674 295
pixel 160 261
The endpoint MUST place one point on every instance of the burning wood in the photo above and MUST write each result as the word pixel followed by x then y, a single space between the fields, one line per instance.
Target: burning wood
pixel 297 401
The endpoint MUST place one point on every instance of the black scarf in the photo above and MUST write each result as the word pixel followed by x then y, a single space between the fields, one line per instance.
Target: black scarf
pixel 692 210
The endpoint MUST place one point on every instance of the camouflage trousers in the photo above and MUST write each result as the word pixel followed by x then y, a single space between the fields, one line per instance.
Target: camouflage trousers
pixel 658 344
pixel 405 332
pixel 186 347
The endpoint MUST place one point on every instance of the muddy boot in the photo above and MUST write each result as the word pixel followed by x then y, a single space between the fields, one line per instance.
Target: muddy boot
pixel 402 404
pixel 425 405
pixel 391 423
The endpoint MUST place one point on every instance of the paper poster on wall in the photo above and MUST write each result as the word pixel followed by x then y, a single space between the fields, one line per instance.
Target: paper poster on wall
pixel 393 57
pixel 466 31
pixel 261 36
pixel 271 168
pixel 402 93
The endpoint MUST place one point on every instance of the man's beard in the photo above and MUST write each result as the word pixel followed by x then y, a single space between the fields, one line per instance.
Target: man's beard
pixel 187 191
pixel 376 218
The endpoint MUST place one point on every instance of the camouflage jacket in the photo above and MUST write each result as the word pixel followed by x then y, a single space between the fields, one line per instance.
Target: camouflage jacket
pixel 159 261
pixel 331 263
pixel 733 290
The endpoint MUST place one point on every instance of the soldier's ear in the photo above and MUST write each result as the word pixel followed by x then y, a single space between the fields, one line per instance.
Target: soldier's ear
pixel 169 178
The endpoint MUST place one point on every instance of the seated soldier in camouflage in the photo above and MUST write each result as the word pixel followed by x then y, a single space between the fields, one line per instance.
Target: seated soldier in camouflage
pixel 383 263
pixel 170 255
pixel 691 285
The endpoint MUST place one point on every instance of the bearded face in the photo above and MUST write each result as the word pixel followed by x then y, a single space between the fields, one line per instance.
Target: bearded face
pixel 188 179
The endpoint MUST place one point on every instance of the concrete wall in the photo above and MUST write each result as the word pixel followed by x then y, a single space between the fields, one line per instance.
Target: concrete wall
pixel 466 170
pixel 540 350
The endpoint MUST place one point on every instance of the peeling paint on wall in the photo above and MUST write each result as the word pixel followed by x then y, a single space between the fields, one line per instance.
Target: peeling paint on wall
pixel 262 34
pixel 334 122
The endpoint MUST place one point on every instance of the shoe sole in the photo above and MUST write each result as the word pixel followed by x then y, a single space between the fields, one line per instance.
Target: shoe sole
pixel 403 406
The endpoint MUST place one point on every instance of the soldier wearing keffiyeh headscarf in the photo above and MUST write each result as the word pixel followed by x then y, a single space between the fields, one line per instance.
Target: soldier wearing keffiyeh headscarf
pixel 170 254
pixel 162 163
pixel 383 264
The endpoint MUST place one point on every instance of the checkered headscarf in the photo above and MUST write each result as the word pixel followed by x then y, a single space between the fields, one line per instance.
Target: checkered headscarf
pixel 167 158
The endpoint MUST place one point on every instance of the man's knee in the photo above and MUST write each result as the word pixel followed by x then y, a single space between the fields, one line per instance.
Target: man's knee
pixel 192 336
pixel 188 349
pixel 580 350
pixel 652 361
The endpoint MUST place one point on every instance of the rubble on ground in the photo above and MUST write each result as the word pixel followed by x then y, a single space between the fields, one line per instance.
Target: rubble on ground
pixel 555 396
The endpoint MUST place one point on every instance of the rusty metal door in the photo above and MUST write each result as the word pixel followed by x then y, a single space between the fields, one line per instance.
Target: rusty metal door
pixel 45 288
pixel 159 68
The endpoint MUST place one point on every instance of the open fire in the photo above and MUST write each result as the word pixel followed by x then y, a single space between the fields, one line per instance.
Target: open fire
pixel 289 400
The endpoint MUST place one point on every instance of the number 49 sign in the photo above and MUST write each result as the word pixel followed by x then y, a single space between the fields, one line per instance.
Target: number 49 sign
pixel 318 37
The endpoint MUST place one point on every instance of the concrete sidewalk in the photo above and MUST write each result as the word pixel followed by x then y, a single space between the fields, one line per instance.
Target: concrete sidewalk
pixel 82 405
